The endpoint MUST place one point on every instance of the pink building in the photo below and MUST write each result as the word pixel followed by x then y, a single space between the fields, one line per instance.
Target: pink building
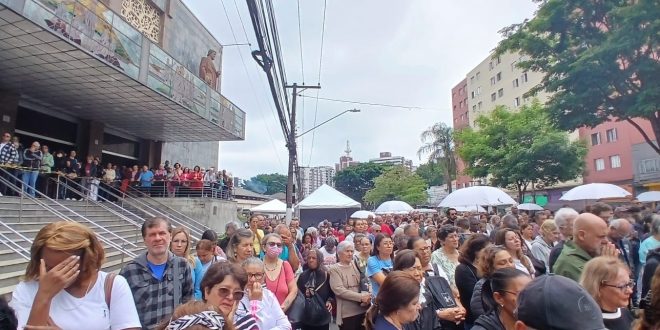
pixel 610 158
pixel 460 112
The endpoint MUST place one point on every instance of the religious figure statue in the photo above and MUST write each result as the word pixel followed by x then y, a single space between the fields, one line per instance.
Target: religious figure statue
pixel 207 70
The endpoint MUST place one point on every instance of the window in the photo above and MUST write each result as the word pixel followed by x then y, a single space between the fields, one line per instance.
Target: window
pixel 463 116
pixel 493 96
pixel 500 92
pixel 599 164
pixel 516 83
pixel 478 74
pixel 492 81
pixel 472 94
pixel 479 105
pixel 516 102
pixel 611 135
pixel 460 104
pixel 595 139
pixel 490 65
pixel 474 107
pixel 498 60
pixel 524 76
pixel 472 80
pixel 615 161
pixel 479 90
pixel 648 166
pixel 499 76
pixel 513 65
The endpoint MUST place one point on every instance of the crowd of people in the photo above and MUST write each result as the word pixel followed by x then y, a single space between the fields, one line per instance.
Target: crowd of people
pixel 34 166
pixel 597 269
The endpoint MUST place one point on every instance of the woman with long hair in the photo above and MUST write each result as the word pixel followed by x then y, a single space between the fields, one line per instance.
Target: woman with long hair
pixel 314 282
pixel 196 315
pixel 447 256
pixel 205 258
pixel 260 301
pixel 180 246
pixel 387 313
pixel 492 258
pixel 196 178
pixel 223 286
pixel 502 289
pixel 527 233
pixel 543 243
pixel 380 262
pixel 279 274
pixel 511 242
pixel 64 285
pixel 436 299
pixel 240 246
pixel 467 273
pixel 352 299
pixel 650 306
pixel 607 279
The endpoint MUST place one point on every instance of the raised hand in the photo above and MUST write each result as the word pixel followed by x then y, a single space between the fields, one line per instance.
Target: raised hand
pixel 255 292
pixel 60 277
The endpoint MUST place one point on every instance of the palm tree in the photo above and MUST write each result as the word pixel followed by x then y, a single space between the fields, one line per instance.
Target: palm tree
pixel 438 143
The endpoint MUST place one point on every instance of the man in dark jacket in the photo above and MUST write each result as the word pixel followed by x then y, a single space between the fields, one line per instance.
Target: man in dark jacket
pixel 652 262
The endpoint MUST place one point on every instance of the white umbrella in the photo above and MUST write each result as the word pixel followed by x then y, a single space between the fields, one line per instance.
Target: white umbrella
pixel 425 211
pixel 594 191
pixel 649 196
pixel 530 207
pixel 477 195
pixel 395 207
pixel 362 214
pixel 472 208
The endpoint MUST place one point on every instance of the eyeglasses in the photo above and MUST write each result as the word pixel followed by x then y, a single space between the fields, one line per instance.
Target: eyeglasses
pixel 511 292
pixel 257 276
pixel 622 287
pixel 236 295
pixel 273 244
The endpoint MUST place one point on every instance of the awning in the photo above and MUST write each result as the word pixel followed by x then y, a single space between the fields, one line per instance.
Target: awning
pixel 46 68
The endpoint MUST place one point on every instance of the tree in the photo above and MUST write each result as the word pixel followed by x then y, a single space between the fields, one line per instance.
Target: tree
pixel 398 183
pixel 266 184
pixel 439 145
pixel 433 174
pixel 355 180
pixel 600 60
pixel 520 148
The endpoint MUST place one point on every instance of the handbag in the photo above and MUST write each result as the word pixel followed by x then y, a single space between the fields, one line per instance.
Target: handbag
pixel 364 283
pixel 315 312
pixel 296 311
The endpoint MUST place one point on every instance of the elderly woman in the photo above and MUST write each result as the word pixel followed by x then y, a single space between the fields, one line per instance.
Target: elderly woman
pixel 223 286
pixel 196 315
pixel 259 301
pixel 543 243
pixel 607 280
pixel 352 301
pixel 64 286
pixel 314 283
pixel 240 246
pixel 447 256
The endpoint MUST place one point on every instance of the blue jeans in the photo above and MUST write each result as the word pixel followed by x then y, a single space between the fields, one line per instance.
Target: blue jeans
pixel 30 182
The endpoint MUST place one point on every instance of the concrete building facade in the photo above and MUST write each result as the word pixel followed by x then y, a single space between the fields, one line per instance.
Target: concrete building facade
pixel 314 177
pixel 386 157
pixel 461 117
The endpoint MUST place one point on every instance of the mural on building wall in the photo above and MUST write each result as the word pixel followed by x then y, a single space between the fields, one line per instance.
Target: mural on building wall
pixel 186 39
pixel 88 23
pixel 143 16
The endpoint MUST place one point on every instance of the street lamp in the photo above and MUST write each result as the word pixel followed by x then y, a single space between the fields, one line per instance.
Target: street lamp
pixel 325 122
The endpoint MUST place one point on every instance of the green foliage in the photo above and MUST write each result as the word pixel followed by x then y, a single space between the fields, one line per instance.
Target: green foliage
pixel 438 143
pixel 600 60
pixel 398 183
pixel 355 180
pixel 519 148
pixel 266 184
pixel 433 174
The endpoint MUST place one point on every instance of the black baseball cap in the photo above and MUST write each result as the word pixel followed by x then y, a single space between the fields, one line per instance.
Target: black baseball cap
pixel 554 302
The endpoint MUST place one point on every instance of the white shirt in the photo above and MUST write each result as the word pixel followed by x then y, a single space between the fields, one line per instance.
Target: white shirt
pixel 69 312
pixel 269 315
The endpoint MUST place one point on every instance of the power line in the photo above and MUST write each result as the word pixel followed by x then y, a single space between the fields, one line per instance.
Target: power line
pixel 316 107
pixel 302 61
pixel 375 104
pixel 247 73
pixel 240 17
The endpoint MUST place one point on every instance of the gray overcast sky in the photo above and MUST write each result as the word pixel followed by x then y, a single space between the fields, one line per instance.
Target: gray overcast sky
pixel 382 51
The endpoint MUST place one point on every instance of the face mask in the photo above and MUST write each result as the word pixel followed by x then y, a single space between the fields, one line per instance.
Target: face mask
pixel 273 251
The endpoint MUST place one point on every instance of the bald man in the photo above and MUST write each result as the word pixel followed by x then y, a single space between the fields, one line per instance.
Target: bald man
pixel 589 241
pixel 619 232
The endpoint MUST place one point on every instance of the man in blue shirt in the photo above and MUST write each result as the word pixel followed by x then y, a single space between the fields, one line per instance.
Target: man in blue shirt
pixel 146 177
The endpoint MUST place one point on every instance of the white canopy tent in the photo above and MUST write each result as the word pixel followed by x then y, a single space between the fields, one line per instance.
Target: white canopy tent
pixel 326 203
pixel 274 206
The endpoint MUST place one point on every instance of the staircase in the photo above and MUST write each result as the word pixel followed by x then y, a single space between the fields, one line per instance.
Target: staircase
pixel 27 218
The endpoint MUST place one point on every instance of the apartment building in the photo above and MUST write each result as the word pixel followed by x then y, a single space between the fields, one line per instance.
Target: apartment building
pixel 314 177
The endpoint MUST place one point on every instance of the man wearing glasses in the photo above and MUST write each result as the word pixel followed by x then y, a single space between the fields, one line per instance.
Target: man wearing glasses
pixel 452 215
pixel 8 156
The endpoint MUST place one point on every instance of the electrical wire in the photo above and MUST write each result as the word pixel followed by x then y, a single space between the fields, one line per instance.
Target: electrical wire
pixel 374 104
pixel 316 107
pixel 302 60
pixel 252 88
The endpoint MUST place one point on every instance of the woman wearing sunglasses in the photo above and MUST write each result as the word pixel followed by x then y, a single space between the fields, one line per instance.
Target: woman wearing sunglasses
pixel 279 274
pixel 259 301
pixel 223 286
pixel 607 280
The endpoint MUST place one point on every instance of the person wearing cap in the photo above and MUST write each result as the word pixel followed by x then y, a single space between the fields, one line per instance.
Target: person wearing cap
pixel 557 303
pixel 589 241
pixel 607 280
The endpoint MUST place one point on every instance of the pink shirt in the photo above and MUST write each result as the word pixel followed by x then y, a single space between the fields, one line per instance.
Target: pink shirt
pixel 280 286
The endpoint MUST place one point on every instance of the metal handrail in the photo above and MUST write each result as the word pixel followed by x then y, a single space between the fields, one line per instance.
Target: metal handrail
pixel 8 242
pixel 160 204
pixel 62 215
pixel 84 194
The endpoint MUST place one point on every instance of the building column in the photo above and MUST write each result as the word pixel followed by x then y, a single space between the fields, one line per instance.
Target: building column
pixel 90 139
pixel 8 111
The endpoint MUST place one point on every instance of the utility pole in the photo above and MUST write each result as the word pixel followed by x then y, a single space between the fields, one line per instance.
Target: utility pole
pixel 292 147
